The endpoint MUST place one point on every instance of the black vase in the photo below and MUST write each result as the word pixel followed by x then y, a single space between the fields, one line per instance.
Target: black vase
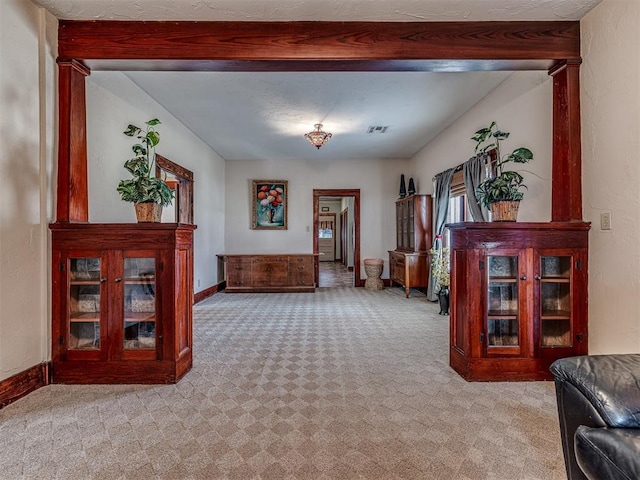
pixel 403 188
pixel 412 187
pixel 443 300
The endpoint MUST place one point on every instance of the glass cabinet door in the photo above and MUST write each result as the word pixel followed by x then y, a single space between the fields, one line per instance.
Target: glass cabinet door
pixel 411 225
pixel 502 318
pixel 405 225
pixel 139 304
pixel 555 301
pixel 83 312
pixel 399 223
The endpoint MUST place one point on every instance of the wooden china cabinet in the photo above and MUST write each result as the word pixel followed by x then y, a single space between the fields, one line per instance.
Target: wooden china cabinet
pixel 409 262
pixel 519 298
pixel 122 296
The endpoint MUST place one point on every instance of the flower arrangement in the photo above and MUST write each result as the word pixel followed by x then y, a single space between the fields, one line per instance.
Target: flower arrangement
pixel 440 265
pixel 270 198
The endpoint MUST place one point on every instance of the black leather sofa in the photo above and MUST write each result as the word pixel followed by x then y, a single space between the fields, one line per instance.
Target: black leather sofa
pixel 599 410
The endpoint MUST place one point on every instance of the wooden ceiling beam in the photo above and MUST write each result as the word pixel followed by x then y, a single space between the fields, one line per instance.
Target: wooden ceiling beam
pixel 311 41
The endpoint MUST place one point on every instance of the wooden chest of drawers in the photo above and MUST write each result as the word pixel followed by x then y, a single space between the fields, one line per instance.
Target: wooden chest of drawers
pixel 269 273
pixel 411 270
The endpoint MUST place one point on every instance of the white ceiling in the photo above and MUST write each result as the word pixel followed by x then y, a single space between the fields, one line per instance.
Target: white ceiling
pixel 325 10
pixel 244 115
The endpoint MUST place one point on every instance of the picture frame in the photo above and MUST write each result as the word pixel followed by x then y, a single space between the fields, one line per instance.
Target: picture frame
pixel 325 209
pixel 269 204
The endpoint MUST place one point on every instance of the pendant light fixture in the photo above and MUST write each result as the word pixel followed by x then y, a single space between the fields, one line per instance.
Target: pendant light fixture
pixel 318 138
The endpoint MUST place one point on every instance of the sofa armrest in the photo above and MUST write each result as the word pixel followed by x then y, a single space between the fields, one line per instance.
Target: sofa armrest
pixel 611 453
pixel 610 382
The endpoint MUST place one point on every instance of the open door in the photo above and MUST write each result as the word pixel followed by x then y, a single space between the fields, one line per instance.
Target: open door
pixel 327 231
pixel 339 193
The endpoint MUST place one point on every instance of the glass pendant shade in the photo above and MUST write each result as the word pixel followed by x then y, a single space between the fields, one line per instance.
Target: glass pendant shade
pixel 317 138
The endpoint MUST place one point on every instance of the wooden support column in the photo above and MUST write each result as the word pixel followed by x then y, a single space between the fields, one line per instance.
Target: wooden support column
pixel 566 196
pixel 73 197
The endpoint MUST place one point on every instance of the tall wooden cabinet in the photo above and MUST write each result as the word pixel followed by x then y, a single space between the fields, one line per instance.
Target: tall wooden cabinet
pixel 122 296
pixel 519 298
pixel 408 263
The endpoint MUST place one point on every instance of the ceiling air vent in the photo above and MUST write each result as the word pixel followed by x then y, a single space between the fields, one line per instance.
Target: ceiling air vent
pixel 377 129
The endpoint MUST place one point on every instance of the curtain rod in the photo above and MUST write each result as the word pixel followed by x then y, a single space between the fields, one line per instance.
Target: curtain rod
pixel 456 169
pixel 490 154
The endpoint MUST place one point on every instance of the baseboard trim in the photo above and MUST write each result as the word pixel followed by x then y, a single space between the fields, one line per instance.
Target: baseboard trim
pixel 23 383
pixel 208 292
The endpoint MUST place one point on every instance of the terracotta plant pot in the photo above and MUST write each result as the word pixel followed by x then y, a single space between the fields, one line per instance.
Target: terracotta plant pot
pixel 148 212
pixel 505 211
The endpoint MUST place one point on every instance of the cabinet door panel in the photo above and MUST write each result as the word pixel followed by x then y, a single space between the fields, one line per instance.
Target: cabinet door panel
pixel 557 271
pixel 85 325
pixel 136 329
pixel 270 271
pixel 503 311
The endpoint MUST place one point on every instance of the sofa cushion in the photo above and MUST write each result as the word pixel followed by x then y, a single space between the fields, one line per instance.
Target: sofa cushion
pixel 610 382
pixel 611 453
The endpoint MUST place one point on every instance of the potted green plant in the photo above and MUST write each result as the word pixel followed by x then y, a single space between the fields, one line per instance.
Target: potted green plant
pixel 148 192
pixel 502 193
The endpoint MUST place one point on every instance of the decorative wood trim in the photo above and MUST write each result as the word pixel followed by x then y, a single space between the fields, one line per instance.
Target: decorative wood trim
pixel 184 194
pixel 332 42
pixel 178 170
pixel 23 383
pixel 355 193
pixel 566 191
pixel 73 197
pixel 208 292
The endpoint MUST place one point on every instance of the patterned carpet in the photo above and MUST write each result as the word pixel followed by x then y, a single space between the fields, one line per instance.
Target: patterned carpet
pixel 341 384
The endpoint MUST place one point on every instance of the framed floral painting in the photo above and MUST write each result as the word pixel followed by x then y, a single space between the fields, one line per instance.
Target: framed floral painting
pixel 269 204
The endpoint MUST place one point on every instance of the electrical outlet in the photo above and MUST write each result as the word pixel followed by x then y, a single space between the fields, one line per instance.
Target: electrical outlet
pixel 198 282
pixel 605 221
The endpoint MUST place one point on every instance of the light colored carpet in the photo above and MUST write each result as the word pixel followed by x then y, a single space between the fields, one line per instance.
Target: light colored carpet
pixel 341 384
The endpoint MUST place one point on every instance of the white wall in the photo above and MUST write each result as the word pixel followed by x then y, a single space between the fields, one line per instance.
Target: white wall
pixel 27 86
pixel 521 105
pixel 114 101
pixel 610 98
pixel 377 181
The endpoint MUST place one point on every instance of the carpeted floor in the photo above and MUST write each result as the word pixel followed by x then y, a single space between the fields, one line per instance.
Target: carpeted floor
pixel 341 384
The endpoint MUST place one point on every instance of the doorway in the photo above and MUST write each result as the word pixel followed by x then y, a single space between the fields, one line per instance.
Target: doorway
pixel 345 240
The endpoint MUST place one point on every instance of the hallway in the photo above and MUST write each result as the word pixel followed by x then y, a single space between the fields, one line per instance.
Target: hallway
pixel 334 274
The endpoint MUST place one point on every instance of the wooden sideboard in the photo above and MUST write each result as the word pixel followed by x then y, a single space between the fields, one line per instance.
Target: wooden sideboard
pixel 269 273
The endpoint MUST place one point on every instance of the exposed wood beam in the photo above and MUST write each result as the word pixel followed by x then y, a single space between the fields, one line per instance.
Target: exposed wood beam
pixel 339 41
